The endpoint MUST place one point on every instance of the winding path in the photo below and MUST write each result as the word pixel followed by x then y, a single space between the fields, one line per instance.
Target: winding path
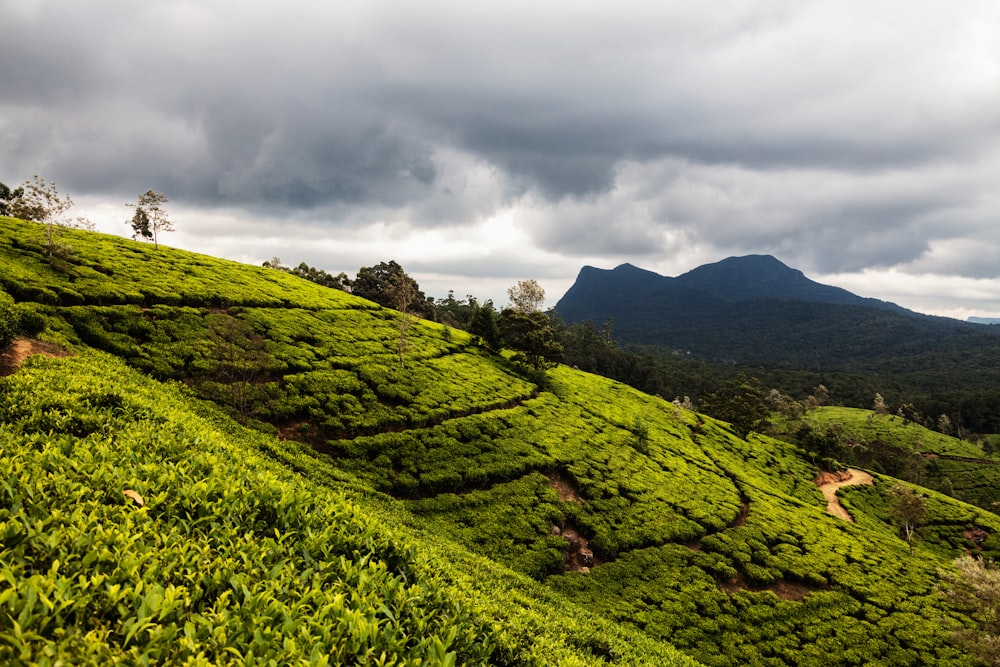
pixel 828 483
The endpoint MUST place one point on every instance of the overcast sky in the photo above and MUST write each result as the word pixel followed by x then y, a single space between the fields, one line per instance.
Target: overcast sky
pixel 479 143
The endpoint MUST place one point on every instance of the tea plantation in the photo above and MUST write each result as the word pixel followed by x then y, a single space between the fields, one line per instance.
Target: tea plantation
pixel 234 465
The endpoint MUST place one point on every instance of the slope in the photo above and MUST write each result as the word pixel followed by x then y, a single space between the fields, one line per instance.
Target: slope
pixel 902 448
pixel 645 514
pixel 141 527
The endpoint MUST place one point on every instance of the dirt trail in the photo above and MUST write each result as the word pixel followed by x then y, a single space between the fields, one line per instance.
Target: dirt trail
pixel 22 348
pixel 829 482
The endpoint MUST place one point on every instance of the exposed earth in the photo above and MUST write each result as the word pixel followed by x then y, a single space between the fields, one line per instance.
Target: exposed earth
pixel 829 482
pixel 22 348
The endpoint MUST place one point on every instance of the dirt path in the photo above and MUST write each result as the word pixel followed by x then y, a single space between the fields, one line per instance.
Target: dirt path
pixel 22 348
pixel 829 482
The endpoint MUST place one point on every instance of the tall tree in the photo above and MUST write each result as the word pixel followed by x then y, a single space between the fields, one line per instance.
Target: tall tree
pixel 532 336
pixel 150 217
pixel 39 200
pixel 909 509
pixel 742 403
pixel 386 283
pixel 7 196
pixel 527 296
pixel 483 325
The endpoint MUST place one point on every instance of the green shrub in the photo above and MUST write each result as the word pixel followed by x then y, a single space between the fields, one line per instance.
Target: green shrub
pixel 9 319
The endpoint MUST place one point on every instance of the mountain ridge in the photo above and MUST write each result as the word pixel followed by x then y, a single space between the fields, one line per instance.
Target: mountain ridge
pixel 757 310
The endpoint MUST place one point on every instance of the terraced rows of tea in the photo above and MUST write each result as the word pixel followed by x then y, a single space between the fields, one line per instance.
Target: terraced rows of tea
pixel 625 508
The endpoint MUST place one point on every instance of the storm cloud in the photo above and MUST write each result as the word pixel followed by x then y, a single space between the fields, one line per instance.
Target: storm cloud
pixel 470 141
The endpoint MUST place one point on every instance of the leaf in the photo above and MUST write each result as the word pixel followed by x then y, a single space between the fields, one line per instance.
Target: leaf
pixel 134 495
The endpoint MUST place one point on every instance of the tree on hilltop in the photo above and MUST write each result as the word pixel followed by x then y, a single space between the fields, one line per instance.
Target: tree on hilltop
pixel 387 284
pixel 7 196
pixel 312 274
pixel 530 334
pixel 150 217
pixel 483 325
pixel 39 200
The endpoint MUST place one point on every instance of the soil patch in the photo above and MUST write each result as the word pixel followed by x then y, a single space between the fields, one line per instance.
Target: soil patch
pixel 830 482
pixel 578 555
pixel 783 588
pixel 22 348
pixel 567 492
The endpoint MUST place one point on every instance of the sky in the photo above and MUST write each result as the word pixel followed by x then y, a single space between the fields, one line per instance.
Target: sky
pixel 482 143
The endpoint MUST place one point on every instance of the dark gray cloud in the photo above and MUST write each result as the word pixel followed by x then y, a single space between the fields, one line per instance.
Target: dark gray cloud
pixel 839 136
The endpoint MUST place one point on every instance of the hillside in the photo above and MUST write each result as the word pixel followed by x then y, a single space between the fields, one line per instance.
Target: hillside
pixel 904 449
pixel 405 494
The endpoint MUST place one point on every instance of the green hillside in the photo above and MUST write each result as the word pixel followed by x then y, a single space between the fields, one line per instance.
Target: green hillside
pixel 403 497
pixel 905 449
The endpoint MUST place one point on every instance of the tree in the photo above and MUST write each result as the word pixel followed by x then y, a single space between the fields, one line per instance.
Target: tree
pixel 7 196
pixel 404 290
pixel 532 336
pixel 741 402
pixel 974 588
pixel 385 284
pixel 908 509
pixel 150 217
pixel 39 200
pixel 483 325
pixel 527 296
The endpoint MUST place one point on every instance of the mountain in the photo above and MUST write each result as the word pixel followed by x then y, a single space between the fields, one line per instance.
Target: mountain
pixel 757 310
pixel 205 462
pixel 762 278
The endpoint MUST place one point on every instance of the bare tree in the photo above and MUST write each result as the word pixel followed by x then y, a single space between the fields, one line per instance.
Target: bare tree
pixel 39 200
pixel 150 217
pixel 909 509
pixel 527 296
pixel 404 292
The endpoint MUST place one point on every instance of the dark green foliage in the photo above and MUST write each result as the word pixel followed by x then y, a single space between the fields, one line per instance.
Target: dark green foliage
pixel 8 195
pixel 387 284
pixel 141 231
pixel 483 325
pixel 793 334
pixel 741 403
pixel 532 336
pixel 314 275
pixel 10 319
